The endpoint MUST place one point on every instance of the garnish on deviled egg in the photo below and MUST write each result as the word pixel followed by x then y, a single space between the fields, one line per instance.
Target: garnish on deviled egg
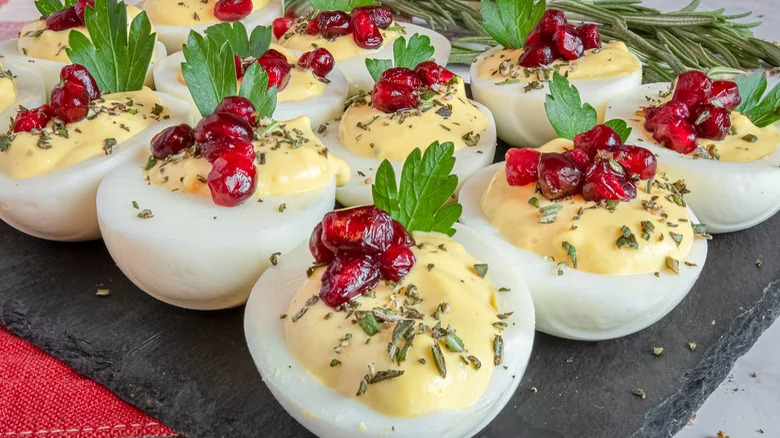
pixel 19 87
pixel 720 136
pixel 607 245
pixel 513 79
pixel 414 101
pixel 396 328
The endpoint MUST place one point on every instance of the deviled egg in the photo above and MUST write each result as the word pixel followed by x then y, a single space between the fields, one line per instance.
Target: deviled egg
pixel 19 86
pixel 512 79
pixel 352 36
pixel 703 132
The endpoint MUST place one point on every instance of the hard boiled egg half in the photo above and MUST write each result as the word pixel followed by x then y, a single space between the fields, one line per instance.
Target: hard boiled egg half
pixel 19 86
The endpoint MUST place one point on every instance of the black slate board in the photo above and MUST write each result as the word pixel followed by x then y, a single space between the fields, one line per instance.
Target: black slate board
pixel 192 370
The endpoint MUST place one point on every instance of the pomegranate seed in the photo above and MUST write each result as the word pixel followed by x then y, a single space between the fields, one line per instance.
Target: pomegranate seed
pixel 216 148
pixel 81 6
pixel 36 118
pixel 432 73
pixel 63 19
pixel 273 54
pixel 318 249
pixel 281 25
pixel 568 43
pixel 559 176
pixel 636 160
pixel 79 74
pixel 401 76
pixel 365 32
pixel 606 181
pixel 172 140
pixel 711 121
pixel 580 157
pixel 395 263
pixel 551 21
pixel 599 137
pixel 381 15
pixel 692 88
pixel 347 278
pixel 232 179
pixel 70 102
pixel 677 135
pixel 218 125
pixel 400 235
pixel 360 230
pixel 239 66
pixel 536 55
pixel 536 37
pixel 726 93
pixel 239 106
pixel 669 111
pixel 232 10
pixel 319 60
pixel 334 24
pixel 389 97
pixel 590 36
pixel 522 166
pixel 277 69
pixel 313 28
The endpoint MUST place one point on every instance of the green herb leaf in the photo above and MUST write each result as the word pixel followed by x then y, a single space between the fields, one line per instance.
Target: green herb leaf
pixel 751 87
pixel 209 71
pixel 254 86
pixel 116 60
pixel 48 7
pixel 419 49
pixel 620 127
pixel 339 5
pixel 510 21
pixel 567 114
pixel 243 44
pixel 377 66
pixel 368 324
pixel 767 111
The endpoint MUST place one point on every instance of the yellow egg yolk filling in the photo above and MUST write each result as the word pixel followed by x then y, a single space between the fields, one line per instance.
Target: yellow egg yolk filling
pixel 187 12
pixel 342 47
pixel 7 89
pixel 447 116
pixel 443 275
pixel 111 120
pixel 290 160
pixel 661 227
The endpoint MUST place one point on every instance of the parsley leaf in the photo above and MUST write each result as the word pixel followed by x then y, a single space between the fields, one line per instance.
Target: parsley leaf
pixel 407 55
pixel 762 112
pixel 620 127
pixel 243 44
pixel 510 21
pixel 209 71
pixel 768 110
pixel 565 111
pixel 426 185
pixel 378 66
pixel 118 62
pixel 48 7
pixel 254 87
pixel 339 5
pixel 751 87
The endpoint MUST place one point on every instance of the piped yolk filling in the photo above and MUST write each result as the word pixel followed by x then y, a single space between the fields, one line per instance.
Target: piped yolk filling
pixel 7 89
pixel 443 274
pixel 112 119
pixel 342 47
pixel 289 161
pixel 449 116
pixel 661 228
pixel 187 12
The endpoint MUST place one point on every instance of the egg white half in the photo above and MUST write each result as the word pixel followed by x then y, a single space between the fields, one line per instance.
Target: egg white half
pixel 29 91
pixel 520 116
pixel 328 413
pixel 319 108
pixel 50 70
pixel 581 305
pixel 60 205
pixel 363 169
pixel 727 196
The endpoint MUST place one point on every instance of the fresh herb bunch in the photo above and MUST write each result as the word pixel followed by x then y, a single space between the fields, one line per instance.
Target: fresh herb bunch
pixel 48 7
pixel 118 62
pixel 243 44
pixel 762 112
pixel 407 55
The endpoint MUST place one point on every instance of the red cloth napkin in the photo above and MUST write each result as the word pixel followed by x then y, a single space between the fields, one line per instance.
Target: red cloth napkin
pixel 42 397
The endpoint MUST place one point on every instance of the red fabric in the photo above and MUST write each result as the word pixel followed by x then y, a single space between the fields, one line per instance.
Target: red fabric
pixel 41 397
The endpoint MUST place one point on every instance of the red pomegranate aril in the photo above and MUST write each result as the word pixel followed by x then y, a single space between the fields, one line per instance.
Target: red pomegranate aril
pixel 590 36
pixel 334 24
pixel 400 235
pixel 606 181
pixel 216 148
pixel 726 93
pixel 218 125
pixel 35 118
pixel 677 135
pixel 636 160
pixel 278 70
pixel 580 157
pixel 70 102
pixel 599 137
pixel 568 43
pixel 536 55
pixel 232 179
pixel 551 21
pixel 559 176
pixel 239 66
pixel 365 32
pixel 273 54
pixel 381 15
pixel 81 6
pixel 172 140
pixel 522 166
pixel 692 88
pixel 281 25
pixel 232 10
pixel 318 249
pixel 401 76
pixel 79 74
pixel 711 122
pixel 239 106
pixel 319 60
pixel 347 278
pixel 63 19
pixel 312 28
pixel 431 73
pixel 395 263
pixel 389 97
pixel 359 230
pixel 671 110
pixel 536 37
